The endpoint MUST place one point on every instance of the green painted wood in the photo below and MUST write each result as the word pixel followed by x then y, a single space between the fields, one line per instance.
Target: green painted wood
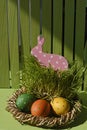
pixel 46 11
pixel 29 30
pixel 34 22
pixel 57 26
pixel 80 32
pixel 69 29
pixel 86 3
pixel 13 42
pixel 24 27
pixel 4 60
pixel 85 64
pixel 46 23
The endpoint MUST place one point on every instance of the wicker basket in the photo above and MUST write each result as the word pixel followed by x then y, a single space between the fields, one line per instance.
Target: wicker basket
pixel 47 122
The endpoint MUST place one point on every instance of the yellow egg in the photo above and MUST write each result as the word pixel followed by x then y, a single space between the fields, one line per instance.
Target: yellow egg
pixel 60 105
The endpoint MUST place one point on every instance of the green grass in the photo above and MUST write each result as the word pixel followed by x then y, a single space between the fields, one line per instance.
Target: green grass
pixel 47 83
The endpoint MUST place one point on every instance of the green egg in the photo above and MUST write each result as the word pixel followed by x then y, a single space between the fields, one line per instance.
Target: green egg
pixel 24 101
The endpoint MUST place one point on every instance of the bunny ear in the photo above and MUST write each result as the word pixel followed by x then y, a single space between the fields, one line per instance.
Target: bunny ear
pixel 38 38
pixel 42 39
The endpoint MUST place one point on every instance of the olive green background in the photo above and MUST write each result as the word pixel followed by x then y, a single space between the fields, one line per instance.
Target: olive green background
pixel 20 26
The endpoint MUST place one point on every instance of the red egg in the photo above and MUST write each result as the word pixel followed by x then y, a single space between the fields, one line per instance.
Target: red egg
pixel 40 108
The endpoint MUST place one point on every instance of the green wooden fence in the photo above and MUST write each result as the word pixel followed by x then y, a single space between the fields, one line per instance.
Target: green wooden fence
pixel 63 26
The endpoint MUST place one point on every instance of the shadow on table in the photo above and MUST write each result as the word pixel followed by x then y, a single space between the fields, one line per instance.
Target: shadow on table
pixel 82 117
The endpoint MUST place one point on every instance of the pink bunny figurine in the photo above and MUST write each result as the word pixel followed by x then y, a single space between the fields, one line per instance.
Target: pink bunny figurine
pixel 57 62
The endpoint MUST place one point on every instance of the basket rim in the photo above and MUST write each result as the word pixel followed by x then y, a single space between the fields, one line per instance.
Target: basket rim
pixel 47 122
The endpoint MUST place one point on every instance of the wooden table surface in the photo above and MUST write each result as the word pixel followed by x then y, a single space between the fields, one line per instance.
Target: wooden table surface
pixel 7 122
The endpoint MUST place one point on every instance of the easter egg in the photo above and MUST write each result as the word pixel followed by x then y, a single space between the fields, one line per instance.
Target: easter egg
pixel 40 108
pixel 60 105
pixel 24 101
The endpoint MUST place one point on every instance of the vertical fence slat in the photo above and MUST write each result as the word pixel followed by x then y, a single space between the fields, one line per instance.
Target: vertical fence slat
pixel 24 26
pixel 80 31
pixel 85 63
pixel 13 41
pixel 57 26
pixel 35 21
pixel 46 24
pixel 4 61
pixel 69 29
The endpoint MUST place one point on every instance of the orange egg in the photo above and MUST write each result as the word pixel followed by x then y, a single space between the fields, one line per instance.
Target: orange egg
pixel 40 108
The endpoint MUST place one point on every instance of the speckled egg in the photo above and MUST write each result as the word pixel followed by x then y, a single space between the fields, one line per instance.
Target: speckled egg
pixel 40 108
pixel 24 101
pixel 60 105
